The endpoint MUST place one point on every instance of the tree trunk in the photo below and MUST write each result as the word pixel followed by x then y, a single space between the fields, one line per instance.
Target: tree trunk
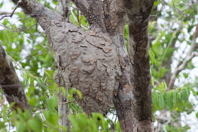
pixel 138 14
pixel 10 84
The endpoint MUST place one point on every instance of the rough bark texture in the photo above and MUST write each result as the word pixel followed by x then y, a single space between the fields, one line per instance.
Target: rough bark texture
pixel 96 62
pixel 10 84
pixel 138 13
pixel 107 15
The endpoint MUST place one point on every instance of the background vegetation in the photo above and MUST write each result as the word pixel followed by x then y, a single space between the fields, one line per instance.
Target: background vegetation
pixel 171 29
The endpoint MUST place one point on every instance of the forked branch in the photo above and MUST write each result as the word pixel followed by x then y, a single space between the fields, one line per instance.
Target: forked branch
pixel 187 59
pixel 19 2
pixel 63 7
pixel 38 11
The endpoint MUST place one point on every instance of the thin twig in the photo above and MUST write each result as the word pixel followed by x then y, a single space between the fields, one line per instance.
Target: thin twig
pixel 3 13
pixel 19 2
pixel 187 59
pixel 171 43
pixel 68 102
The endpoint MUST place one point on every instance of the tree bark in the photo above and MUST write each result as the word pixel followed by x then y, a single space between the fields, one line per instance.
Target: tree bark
pixel 10 84
pixel 138 13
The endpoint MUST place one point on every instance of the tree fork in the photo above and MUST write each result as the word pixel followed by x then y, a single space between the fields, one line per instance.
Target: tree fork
pixel 134 91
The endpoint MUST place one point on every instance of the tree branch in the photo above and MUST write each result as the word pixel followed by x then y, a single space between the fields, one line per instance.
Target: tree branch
pixel 83 6
pixel 188 57
pixel 11 12
pixel 10 84
pixel 138 14
pixel 107 15
pixel 93 12
pixel 38 11
pixel 63 7
pixel 138 10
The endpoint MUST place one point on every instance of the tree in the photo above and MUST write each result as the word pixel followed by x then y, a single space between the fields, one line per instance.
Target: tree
pixel 103 70
pixel 97 63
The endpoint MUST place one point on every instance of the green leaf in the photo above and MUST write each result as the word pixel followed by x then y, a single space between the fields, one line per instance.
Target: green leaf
pixel 184 95
pixel 185 75
pixel 174 96
pixel 157 47
pixel 27 114
pixel 32 101
pixel 21 126
pixel 179 103
pixel 169 103
pixel 193 91
pixel 35 124
pixel 161 100
pixel 5 22
pixel 162 87
pixel 152 81
pixel 155 101
pixel 152 57
pixel 52 103
pixel 190 65
pixel 2 125
pixel 51 117
pixel 73 121
pixel 118 129
pixel 63 90
pixel 196 114
pixel 1 4
pixel 79 94
pixel 73 90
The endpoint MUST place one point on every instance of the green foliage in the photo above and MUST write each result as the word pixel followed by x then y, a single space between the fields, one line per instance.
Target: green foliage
pixel 82 123
pixel 26 43
pixel 25 122
pixel 77 18
pixel 75 91
pixel 173 100
pixel 174 21
pixel 170 128
pixel 33 59
pixel 47 121
pixel 126 32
